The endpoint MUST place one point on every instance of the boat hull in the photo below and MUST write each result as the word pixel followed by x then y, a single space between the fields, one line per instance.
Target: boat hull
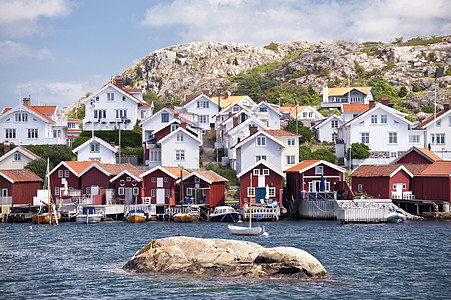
pixel 92 218
pixel 44 218
pixel 396 218
pixel 136 219
pixel 239 230
pixel 228 217
pixel 185 218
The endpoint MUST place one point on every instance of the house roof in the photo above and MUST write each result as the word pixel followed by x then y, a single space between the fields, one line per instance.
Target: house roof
pixel 273 107
pixel 259 132
pixel 438 168
pixel 280 132
pixel 37 110
pixel 95 139
pixel 21 175
pixel 422 151
pixel 135 174
pixel 340 91
pixel 227 100
pixel 76 167
pixel 387 109
pixel 174 172
pixel 292 110
pixel 184 131
pixel 110 169
pixel 207 176
pixel 415 169
pixel 325 121
pixel 116 87
pixel 264 163
pixel 354 108
pixel 308 164
pixel 168 110
pixel 379 171
pixel 22 150
pixel 428 121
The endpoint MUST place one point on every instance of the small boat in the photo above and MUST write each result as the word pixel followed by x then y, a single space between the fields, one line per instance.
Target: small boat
pixel 136 216
pixel 43 218
pixel 89 216
pixel 395 217
pixel 240 230
pixel 51 216
pixel 224 214
pixel 182 217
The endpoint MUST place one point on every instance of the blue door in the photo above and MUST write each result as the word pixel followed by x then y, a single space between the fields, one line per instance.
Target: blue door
pixel 261 193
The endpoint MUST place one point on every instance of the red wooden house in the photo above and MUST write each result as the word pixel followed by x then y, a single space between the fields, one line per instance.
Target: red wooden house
pixel 127 185
pixel 160 185
pixel 306 177
pixel 381 181
pixel 204 187
pixel 417 156
pixel 67 171
pixel 21 185
pixel 434 182
pixel 266 185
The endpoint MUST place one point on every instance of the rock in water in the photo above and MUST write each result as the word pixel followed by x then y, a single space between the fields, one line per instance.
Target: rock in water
pixel 220 257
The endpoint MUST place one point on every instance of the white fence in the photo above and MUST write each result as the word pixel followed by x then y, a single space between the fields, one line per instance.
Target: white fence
pixel 7 200
pixel 318 209
pixel 261 213
pixel 362 214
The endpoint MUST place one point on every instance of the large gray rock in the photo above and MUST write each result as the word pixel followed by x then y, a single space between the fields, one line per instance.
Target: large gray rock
pixel 220 257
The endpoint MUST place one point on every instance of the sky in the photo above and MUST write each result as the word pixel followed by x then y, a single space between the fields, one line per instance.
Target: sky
pixel 55 51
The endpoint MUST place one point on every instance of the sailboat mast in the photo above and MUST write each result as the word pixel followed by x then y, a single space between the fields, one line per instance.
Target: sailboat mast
pixel 250 204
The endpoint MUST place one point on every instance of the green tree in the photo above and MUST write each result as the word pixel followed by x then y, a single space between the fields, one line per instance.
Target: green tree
pixel 359 151
pixel 305 132
pixel 324 154
pixel 382 88
pixel 255 87
pixel 38 166
pixel 403 92
pixel 305 153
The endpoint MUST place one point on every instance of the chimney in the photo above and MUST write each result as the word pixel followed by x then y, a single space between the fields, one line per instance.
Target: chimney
pixel 176 114
pixel 227 95
pixel 6 147
pixel 446 106
pixel 26 101
pixel 385 101
pixel 206 92
pixel 235 121
pixel 252 130
pixel 183 124
pixel 331 112
pixel 372 103
pixel 168 105
pixel 264 98
pixel 119 81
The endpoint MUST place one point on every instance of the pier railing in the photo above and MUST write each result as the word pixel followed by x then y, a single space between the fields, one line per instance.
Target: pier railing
pixel 261 213
pixel 404 196
pixel 6 200
pixel 313 196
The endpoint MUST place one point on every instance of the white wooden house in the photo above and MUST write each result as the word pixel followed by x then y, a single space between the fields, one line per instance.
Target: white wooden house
pixel 327 130
pixel 269 114
pixel 204 108
pixel 17 158
pixel 306 114
pixel 96 149
pixel 335 97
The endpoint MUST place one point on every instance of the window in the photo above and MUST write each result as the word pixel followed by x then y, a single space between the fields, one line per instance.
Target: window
pixel 394 186
pixel 10 133
pixel 439 123
pixel 164 118
pixel 17 156
pixel 359 187
pixel 179 137
pixel 129 179
pixel 109 96
pixel 272 192
pixel 121 113
pixel 438 138
pixel 168 193
pixel 179 155
pixel 261 141
pixel 414 139
pixel 154 179
pixel 66 173
pixel 392 137
pixel 21 117
pixel 189 191
pixel 256 172
pixel 204 192
pixel 334 124
pixel 88 190
pixel 204 119
pixel 260 157
pixel 235 109
pixel 251 192
pixel 393 154
pixel 384 119
pixel 143 114
pixel 60 173
pixel 365 137
pixel 95 147
pixel 155 155
pixel 174 127
pixel 166 179
pixel 291 141
pixel 57 133
pixel 135 191
pixel 57 191
pixel 4 192
pixel 404 186
pixel 373 119
pixel 196 179
pixel 152 193
pixel 319 170
pixel 266 172
pixel 290 159
pixel 99 114
pixel 206 104
pixel 263 109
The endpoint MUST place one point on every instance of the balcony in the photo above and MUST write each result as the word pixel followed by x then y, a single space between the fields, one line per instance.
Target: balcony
pixel 403 196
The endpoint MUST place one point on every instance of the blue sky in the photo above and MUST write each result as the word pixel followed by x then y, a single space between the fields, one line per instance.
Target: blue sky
pixel 57 50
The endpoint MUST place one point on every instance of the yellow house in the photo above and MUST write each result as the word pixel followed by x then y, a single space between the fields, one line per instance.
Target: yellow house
pixel 17 158
pixel 290 154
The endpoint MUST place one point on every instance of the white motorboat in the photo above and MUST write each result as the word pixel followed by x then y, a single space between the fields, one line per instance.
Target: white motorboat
pixel 224 214
pixel 89 216
pixel 395 217
pixel 240 230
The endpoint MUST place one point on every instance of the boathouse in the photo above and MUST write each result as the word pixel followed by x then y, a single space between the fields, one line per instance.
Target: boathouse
pixel 262 182
pixel 434 182
pixel 127 185
pixel 204 187
pixel 18 186
pixel 66 176
pixel 160 185
pixel 416 156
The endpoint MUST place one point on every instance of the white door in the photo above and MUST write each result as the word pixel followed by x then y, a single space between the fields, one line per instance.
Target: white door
pixel 159 181
pixel 128 195
pixel 261 181
pixel 160 196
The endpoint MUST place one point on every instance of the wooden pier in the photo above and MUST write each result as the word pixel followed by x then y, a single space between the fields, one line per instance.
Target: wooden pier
pixel 261 213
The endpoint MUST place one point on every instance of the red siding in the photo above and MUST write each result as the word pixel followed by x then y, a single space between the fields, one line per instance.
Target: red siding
pixel 414 157
pixel 126 181
pixel 94 177
pixel 162 133
pixel 214 195
pixel 380 187
pixel 273 180
pixel 432 188
pixel 21 192
pixel 55 181
pixel 148 186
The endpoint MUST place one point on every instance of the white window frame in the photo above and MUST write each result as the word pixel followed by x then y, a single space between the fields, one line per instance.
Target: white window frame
pixel 153 179
pixel 373 119
pixel 168 193
pixel 272 192
pixel 189 191
pixel 179 137
pixel 404 186
pixel 180 155
pixel 256 172
pixel 235 109
pixel 152 193
pixel 121 191
pixel 266 172
pixel 365 137
pixel 95 147
pixel 128 179
pixel 290 159
pixel 33 133
pixel 163 117
pixel 21 117
pixel 383 119
pixel 60 174
pixel 4 192
pixel 251 192
pixel 291 141
pixel 360 188
pixel 319 170
pixel 334 124
pixel 166 179
pixel 259 157
pixel 414 139
pixel 260 141
pixel 392 137
pixel 17 156
pixel 135 191
pixel 10 133
pixel 66 173
pixel 110 97
pixel 57 191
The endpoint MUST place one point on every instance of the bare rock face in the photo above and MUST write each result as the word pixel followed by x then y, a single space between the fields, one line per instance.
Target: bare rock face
pixel 220 257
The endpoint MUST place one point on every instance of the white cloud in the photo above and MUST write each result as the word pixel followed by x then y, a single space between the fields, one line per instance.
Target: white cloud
pixel 262 21
pixel 21 17
pixel 10 51
pixel 57 92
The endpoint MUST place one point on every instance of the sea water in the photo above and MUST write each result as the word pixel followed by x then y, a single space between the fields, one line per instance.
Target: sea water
pixel 364 261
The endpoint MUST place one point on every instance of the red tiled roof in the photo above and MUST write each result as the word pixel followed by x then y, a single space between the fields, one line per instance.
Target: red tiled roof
pixel 302 165
pixel 22 175
pixel 32 108
pixel 292 110
pixel 115 169
pixel 176 171
pixel 73 120
pixel 189 98
pixel 374 170
pixel 415 169
pixel 129 90
pixel 80 166
pixel 439 168
pixel 430 119
pixel 429 154
pixel 354 107
pixel 146 105
pixel 31 153
pixel 281 132
pixel 45 110
pixel 212 176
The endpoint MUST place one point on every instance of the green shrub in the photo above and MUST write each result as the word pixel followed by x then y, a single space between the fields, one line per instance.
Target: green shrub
pixel 359 151
pixel 272 46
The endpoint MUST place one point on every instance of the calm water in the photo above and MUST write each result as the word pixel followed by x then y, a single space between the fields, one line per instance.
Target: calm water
pixel 375 261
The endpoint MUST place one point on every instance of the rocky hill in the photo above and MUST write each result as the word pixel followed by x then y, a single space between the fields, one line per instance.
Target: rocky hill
pixel 187 68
